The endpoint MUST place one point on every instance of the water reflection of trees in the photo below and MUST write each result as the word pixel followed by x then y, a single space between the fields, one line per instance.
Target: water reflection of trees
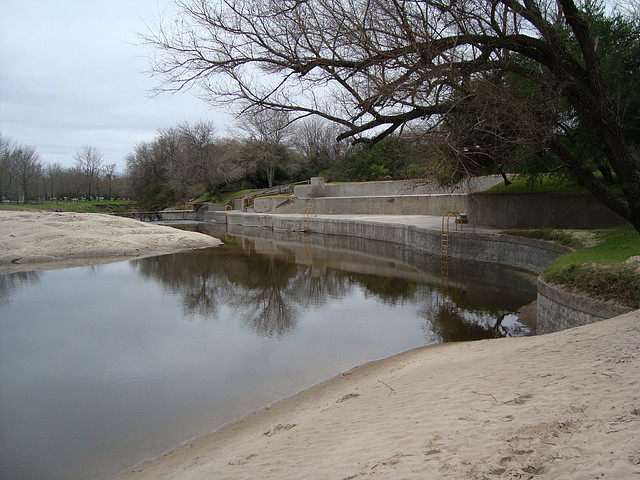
pixel 391 290
pixel 265 297
pixel 268 292
pixel 12 282
pixel 455 318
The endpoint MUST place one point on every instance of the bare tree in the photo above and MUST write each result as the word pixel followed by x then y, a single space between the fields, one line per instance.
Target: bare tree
pixel 25 163
pixel 6 173
pixel 54 175
pixel 315 140
pixel 89 162
pixel 373 66
pixel 148 169
pixel 109 172
pixel 204 161
pixel 266 134
pixel 180 163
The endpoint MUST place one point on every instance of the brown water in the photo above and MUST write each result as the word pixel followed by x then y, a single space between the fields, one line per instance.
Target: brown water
pixel 104 366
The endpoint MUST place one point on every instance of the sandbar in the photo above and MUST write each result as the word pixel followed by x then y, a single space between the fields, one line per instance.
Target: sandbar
pixel 49 240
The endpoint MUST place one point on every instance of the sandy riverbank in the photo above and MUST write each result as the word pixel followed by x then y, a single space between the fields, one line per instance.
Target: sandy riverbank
pixel 46 240
pixel 559 406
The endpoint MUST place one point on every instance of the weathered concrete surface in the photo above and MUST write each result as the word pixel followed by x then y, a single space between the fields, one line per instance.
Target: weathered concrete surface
pixel 375 198
pixel 437 204
pixel 541 211
pixel 420 232
pixel 397 188
pixel 333 251
pixel 317 187
pixel 556 308
pixel 559 309
pixel 416 198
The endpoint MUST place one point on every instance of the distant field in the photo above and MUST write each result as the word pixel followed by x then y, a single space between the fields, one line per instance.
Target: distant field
pixel 81 206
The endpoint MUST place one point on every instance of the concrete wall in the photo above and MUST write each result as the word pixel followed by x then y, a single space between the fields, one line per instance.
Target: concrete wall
pixel 378 205
pixel 395 188
pixel 559 309
pixel 556 308
pixel 541 211
pixel 410 198
pixel 528 254
pixel 327 251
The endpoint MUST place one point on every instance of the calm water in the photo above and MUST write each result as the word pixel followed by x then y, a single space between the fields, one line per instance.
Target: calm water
pixel 102 367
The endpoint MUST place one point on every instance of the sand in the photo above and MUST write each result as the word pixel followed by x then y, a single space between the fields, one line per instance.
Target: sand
pixel 47 240
pixel 558 406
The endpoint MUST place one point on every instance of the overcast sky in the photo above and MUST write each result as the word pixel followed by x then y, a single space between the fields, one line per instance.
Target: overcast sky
pixel 72 73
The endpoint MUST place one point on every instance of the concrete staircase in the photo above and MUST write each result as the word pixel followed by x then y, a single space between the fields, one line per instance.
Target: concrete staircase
pixel 374 198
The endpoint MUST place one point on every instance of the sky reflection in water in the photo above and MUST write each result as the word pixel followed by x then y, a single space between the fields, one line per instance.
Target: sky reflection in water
pixel 101 367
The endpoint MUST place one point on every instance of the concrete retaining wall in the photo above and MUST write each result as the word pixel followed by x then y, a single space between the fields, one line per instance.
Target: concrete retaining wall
pixel 323 251
pixel 378 205
pixel 529 254
pixel 395 188
pixel 556 308
pixel 541 211
pixel 559 309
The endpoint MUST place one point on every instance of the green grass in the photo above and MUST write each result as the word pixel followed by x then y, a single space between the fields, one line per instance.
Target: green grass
pixel 81 206
pixel 555 235
pixel 543 184
pixel 614 245
pixel 598 266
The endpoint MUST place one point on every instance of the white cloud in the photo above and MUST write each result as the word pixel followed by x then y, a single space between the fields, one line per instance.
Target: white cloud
pixel 73 74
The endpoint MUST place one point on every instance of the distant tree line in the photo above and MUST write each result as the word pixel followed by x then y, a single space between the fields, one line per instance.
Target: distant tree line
pixel 25 178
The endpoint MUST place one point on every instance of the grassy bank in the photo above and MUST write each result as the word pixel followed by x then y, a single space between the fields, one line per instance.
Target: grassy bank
pixel 598 267
pixel 544 184
pixel 81 206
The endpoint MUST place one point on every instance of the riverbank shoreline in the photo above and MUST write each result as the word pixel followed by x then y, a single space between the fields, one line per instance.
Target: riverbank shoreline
pixel 563 405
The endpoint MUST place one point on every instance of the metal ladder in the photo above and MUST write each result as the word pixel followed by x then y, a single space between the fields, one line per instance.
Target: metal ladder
pixel 444 246
pixel 308 211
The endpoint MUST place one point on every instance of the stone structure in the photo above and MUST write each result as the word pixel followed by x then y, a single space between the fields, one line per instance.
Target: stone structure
pixel 541 211
pixel 436 204
pixel 415 198
pixel 557 308
pixel 317 187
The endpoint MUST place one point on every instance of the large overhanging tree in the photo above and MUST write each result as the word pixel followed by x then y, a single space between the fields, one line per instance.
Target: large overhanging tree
pixel 375 66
